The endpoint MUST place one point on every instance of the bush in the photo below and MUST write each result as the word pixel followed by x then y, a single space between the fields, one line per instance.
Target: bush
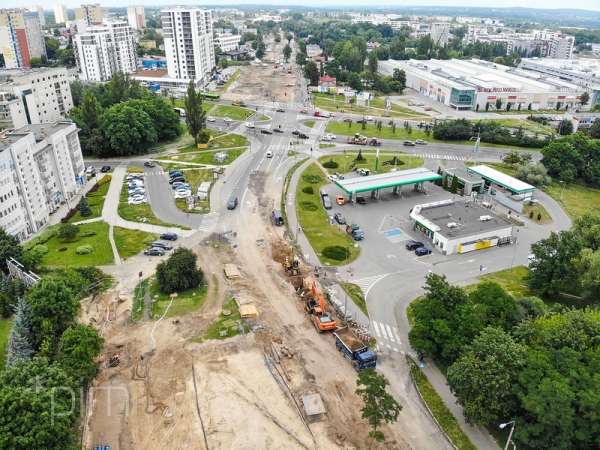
pixel 531 214
pixel 308 190
pixel 63 249
pixel 312 179
pixel 38 251
pixel 179 272
pixel 69 215
pixel 84 249
pixel 68 231
pixel 539 216
pixel 48 234
pixel 89 233
pixel 104 180
pixel 336 252
pixel 134 170
pixel 331 164
pixel 149 240
pixel 309 206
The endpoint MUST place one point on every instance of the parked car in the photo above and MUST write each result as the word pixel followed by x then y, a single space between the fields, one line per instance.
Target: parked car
pixel 90 170
pixel 409 143
pixel 340 218
pixel 172 171
pixel 413 245
pixel 421 142
pixel 361 121
pixel 159 244
pixel 429 108
pixel 210 119
pixel 154 251
pixel 137 201
pixel 183 194
pixel 183 187
pixel 368 118
pixel 105 169
pixel 265 131
pixel 421 251
pixel 295 132
pixel 331 136
pixel 180 183
pixel 280 110
pixel 174 180
pixel 303 111
pixel 302 136
pixel 340 200
pixel 347 119
pixel 137 191
pixel 227 119
pixel 168 236
pixel 149 164
pixel 277 130
pixel 421 104
pixel 361 200
pixel 176 174
pixel 131 176
pixel 332 177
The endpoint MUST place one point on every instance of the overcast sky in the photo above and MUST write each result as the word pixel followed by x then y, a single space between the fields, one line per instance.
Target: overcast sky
pixel 593 5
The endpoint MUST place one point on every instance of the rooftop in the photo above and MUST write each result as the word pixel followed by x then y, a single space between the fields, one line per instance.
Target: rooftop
pixel 39 130
pixel 464 174
pixel 465 219
pixel 387 180
pixel 502 179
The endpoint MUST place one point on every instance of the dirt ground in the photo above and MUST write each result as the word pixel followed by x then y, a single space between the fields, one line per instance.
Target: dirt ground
pixel 262 83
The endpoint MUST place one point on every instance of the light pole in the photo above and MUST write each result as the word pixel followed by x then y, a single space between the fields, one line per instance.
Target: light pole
pixel 563 190
pixel 515 252
pixel 349 272
pixel 503 425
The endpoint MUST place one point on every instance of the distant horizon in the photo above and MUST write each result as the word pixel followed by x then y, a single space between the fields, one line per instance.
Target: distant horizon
pixel 584 5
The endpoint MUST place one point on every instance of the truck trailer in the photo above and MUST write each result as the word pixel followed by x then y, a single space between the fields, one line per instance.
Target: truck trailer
pixel 354 350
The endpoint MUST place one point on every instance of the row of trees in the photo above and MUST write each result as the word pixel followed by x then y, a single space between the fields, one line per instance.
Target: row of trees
pixel 123 119
pixel 573 157
pixel 514 359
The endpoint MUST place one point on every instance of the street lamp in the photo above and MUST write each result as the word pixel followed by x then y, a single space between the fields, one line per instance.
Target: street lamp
pixel 563 190
pixel 349 272
pixel 503 425
pixel 515 252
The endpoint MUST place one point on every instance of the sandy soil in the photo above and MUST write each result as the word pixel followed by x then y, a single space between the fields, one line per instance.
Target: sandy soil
pixel 262 83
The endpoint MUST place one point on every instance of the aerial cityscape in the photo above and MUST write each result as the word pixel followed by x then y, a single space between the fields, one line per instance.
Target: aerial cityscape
pixel 264 226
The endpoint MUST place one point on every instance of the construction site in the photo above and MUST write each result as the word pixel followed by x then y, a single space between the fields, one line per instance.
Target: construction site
pixel 262 83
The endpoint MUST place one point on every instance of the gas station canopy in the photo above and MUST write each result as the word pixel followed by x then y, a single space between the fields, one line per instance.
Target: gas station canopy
pixel 387 180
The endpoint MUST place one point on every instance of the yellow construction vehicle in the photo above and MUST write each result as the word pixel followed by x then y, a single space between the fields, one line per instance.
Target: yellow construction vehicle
pixel 292 263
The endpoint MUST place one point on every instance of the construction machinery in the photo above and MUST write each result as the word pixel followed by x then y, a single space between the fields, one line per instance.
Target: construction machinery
pixel 374 142
pixel 292 263
pixel 322 319
pixel 238 103
pixel 355 232
pixel 354 350
pixel 357 140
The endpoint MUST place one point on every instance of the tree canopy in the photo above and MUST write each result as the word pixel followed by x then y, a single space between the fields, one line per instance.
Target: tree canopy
pixel 179 272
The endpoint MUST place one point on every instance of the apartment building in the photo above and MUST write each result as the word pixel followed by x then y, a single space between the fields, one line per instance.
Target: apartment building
pixel 40 10
pixel 440 32
pixel 21 37
pixel 189 43
pixel 60 13
pixel 136 17
pixel 104 50
pixel 228 42
pixel 40 166
pixel 90 15
pixel 33 96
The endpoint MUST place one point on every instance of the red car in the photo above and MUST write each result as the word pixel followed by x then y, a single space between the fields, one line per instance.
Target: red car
pixel 303 111
pixel 348 120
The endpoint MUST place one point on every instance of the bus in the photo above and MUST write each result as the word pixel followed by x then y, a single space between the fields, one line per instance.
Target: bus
pixel 210 96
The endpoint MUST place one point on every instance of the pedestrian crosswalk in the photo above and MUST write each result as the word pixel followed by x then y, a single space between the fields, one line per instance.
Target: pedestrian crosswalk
pixel 433 156
pixel 209 222
pixel 155 173
pixel 387 337
pixel 367 283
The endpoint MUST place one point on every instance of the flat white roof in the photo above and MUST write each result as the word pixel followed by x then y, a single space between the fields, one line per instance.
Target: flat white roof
pixel 386 180
pixel 502 179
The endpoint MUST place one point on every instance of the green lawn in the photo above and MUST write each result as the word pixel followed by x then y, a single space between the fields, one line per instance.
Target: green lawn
pixel 368 161
pixel 526 124
pixel 233 112
pixel 203 157
pixel 101 256
pixel 144 214
pixel 130 242
pixel 437 406
pixel 194 178
pixel 357 296
pixel 511 281
pixel 226 324
pixel 5 327
pixel 96 202
pixel 223 88
pixel 318 231
pixel 309 123
pixel 185 302
pixel 377 107
pixel 229 140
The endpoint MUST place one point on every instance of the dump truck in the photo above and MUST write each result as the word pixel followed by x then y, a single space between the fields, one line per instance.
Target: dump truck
pixel 355 232
pixel 374 142
pixel 357 140
pixel 322 319
pixel 354 350
pixel 238 103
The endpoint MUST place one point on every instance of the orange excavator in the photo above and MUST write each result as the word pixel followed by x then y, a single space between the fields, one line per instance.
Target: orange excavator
pixel 315 305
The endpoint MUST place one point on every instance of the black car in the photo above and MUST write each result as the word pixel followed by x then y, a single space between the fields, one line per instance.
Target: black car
pixel 303 136
pixel 361 200
pixel 172 171
pixel 413 245
pixel 176 174
pixel 265 131
pixel 340 218
pixel 421 251
pixel 295 132
pixel 361 121
pixel 173 180
pixel 149 164
pixel 277 130
pixel 105 169
pixel 169 236
pixel 154 251
pixel 280 110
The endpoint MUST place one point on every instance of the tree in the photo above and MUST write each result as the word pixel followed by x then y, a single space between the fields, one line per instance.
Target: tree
pixel 84 207
pixel 483 376
pixel 498 103
pixel 129 130
pixel 454 185
pixel 79 346
pixel 493 306
pixel 20 346
pixel 565 127
pixel 355 82
pixel 529 308
pixel 52 309
pixel 10 247
pixel 595 129
pixel 379 405
pixel 68 231
pixel 165 120
pixel 587 227
pixel 35 63
pixel 67 57
pixel 301 58
pixel 534 174
pixel 562 160
pixel 179 272
pixel 287 51
pixel 36 406
pixel 373 62
pixel 553 267
pixel 311 72
pixel 585 98
pixel 289 37
pixel 120 89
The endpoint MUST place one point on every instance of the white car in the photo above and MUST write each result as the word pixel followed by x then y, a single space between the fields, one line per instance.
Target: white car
pixel 369 118
pixel 90 170
pixel 137 191
pixel 326 138
pixel 332 177
pixel 183 194
pixel 227 119
pixel 269 154
pixel 249 125
pixel 137 201
pixel 331 136
pixel 210 119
